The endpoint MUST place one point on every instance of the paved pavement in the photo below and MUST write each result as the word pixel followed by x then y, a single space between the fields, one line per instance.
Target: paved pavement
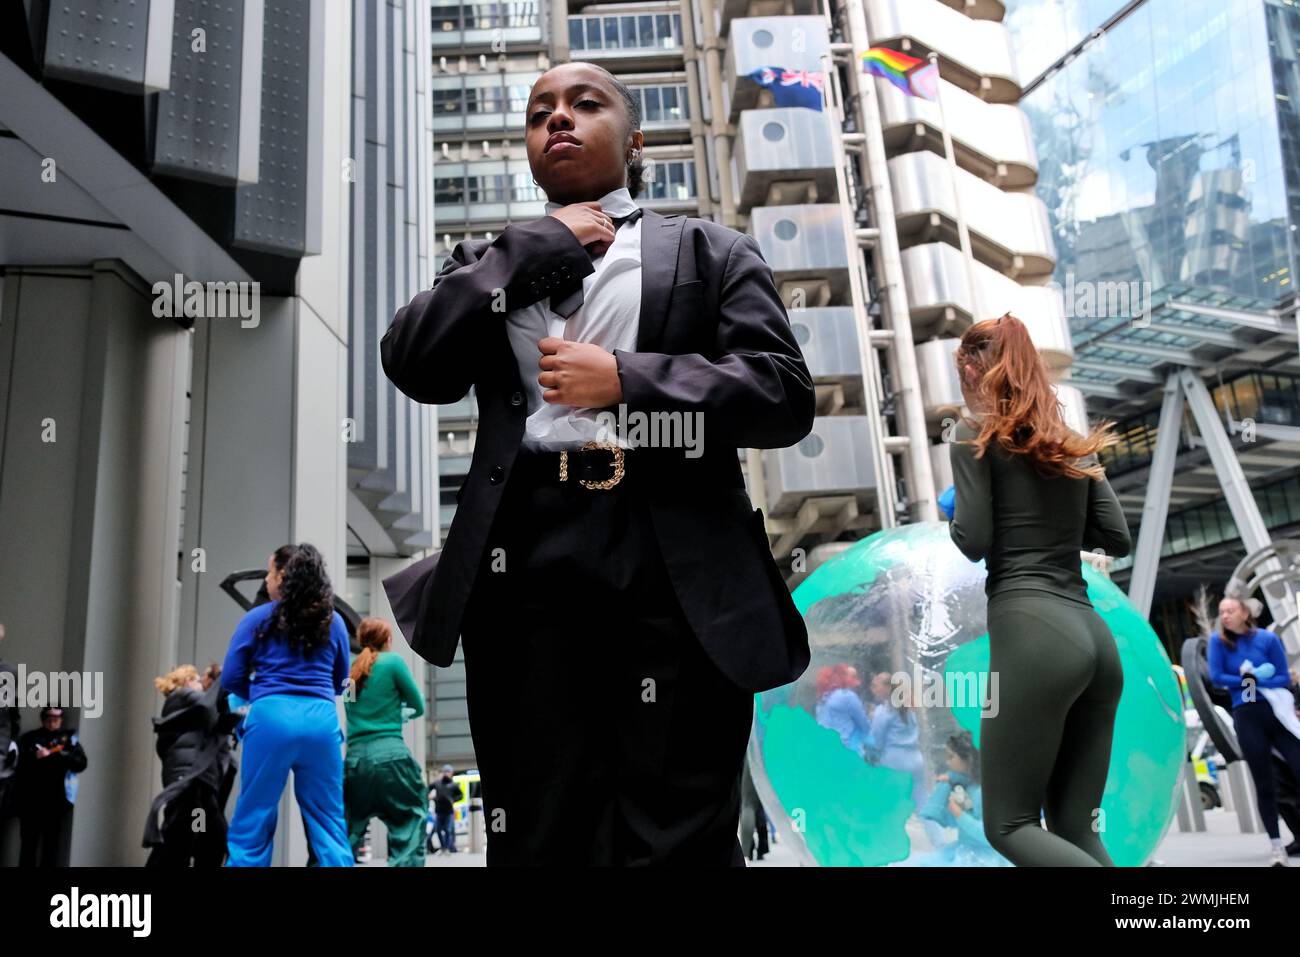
pixel 1220 845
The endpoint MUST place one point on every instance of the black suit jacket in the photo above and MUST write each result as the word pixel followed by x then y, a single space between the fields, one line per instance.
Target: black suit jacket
pixel 714 337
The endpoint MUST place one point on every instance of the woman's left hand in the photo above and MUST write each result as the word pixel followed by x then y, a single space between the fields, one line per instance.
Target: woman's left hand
pixel 579 374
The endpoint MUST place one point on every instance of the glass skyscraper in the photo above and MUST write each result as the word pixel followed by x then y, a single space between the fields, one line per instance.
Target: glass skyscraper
pixel 1168 139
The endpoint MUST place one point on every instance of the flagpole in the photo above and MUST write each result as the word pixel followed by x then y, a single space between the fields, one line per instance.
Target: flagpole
pixel 880 462
pixel 963 234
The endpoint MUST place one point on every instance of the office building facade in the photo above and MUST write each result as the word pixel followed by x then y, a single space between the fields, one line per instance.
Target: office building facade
pixel 209 212
pixel 1168 136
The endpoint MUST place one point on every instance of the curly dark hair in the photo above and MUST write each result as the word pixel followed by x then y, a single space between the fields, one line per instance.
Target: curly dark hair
pixel 962 744
pixel 306 609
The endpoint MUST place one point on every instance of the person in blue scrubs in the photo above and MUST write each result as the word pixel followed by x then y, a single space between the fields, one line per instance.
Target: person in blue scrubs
pixel 1251 663
pixel 289 659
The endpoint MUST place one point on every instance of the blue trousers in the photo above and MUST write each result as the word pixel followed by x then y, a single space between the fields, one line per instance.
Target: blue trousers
pixel 284 733
pixel 446 825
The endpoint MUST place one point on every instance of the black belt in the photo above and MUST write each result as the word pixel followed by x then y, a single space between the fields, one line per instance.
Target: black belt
pixel 606 467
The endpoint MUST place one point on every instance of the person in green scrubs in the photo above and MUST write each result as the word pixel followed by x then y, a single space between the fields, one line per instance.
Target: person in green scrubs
pixel 380 777
pixel 1030 497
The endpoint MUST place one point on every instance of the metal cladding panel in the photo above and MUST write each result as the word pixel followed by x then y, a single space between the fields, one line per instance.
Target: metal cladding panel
pixel 828 339
pixel 100 42
pixel 785 139
pixel 794 43
pixel 391 464
pixel 796 238
pixel 271 216
pixel 198 117
pixel 936 368
pixel 789 43
pixel 833 459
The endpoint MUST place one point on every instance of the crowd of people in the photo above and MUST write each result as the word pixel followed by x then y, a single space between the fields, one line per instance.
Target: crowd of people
pixel 272 703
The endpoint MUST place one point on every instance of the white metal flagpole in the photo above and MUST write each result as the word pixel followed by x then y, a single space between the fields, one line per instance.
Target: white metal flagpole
pixel 885 498
pixel 963 234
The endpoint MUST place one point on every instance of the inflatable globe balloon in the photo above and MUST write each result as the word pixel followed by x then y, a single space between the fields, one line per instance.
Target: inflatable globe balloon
pixel 899 618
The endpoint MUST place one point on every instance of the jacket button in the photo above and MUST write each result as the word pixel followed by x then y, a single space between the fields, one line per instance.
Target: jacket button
pixel 516 398
pixel 496 475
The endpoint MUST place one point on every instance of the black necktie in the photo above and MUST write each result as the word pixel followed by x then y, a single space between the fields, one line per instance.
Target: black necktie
pixel 565 302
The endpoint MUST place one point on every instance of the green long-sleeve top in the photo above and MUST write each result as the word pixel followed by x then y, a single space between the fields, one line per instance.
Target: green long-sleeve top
pixel 376 709
pixel 1030 529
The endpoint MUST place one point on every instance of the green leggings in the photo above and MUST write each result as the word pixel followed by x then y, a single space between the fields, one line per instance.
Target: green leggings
pixel 1047 747
pixel 381 779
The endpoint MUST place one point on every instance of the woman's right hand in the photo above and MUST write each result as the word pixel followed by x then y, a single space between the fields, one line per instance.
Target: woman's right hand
pixel 589 223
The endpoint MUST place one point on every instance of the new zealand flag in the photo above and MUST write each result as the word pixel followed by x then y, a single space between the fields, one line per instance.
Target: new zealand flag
pixel 792 87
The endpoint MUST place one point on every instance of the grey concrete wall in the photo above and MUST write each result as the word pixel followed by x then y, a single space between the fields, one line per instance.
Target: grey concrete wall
pixel 95 590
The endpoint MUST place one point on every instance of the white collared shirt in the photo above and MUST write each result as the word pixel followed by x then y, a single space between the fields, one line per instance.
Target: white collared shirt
pixel 609 317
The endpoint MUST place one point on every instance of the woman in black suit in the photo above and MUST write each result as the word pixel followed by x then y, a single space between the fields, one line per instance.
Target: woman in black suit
pixel 606 571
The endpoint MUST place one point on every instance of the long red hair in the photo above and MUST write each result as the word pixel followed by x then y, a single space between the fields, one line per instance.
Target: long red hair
pixel 1021 412
pixel 373 633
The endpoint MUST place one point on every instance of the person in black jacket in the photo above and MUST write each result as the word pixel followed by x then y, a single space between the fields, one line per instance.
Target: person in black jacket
pixel 10 726
pixel 192 731
pixel 47 759
pixel 610 580
pixel 446 792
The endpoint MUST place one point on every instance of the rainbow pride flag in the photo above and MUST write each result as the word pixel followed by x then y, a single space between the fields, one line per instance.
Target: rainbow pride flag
pixel 913 76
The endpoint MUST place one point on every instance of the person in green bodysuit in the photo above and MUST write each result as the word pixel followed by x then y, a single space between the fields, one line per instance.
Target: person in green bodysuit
pixel 1030 497
pixel 380 777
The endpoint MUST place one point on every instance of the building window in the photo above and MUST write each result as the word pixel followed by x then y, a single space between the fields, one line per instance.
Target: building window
pixel 447 102
pixel 517 96
pixel 487 188
pixel 523 190
pixel 652 111
pixel 674 181
pixel 484 99
pixel 456 18
pixel 484 16
pixel 675 104
pixel 663 103
pixel 449 189
pixel 446 19
pixel 649 31
pixel 521 14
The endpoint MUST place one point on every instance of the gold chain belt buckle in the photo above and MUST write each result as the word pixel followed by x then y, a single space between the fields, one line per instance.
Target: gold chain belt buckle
pixel 603 483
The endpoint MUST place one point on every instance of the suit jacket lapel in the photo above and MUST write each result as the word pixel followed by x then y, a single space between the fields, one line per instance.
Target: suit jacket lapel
pixel 661 238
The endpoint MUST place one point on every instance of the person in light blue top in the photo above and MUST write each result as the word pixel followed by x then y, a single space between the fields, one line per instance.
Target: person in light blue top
pixel 289 659
pixel 957 801
pixel 1251 663
pixel 840 709
pixel 894 731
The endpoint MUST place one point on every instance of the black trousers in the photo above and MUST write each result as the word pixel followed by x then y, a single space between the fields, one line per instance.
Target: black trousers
pixel 604 734
pixel 43 828
pixel 1258 732
pixel 182 843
